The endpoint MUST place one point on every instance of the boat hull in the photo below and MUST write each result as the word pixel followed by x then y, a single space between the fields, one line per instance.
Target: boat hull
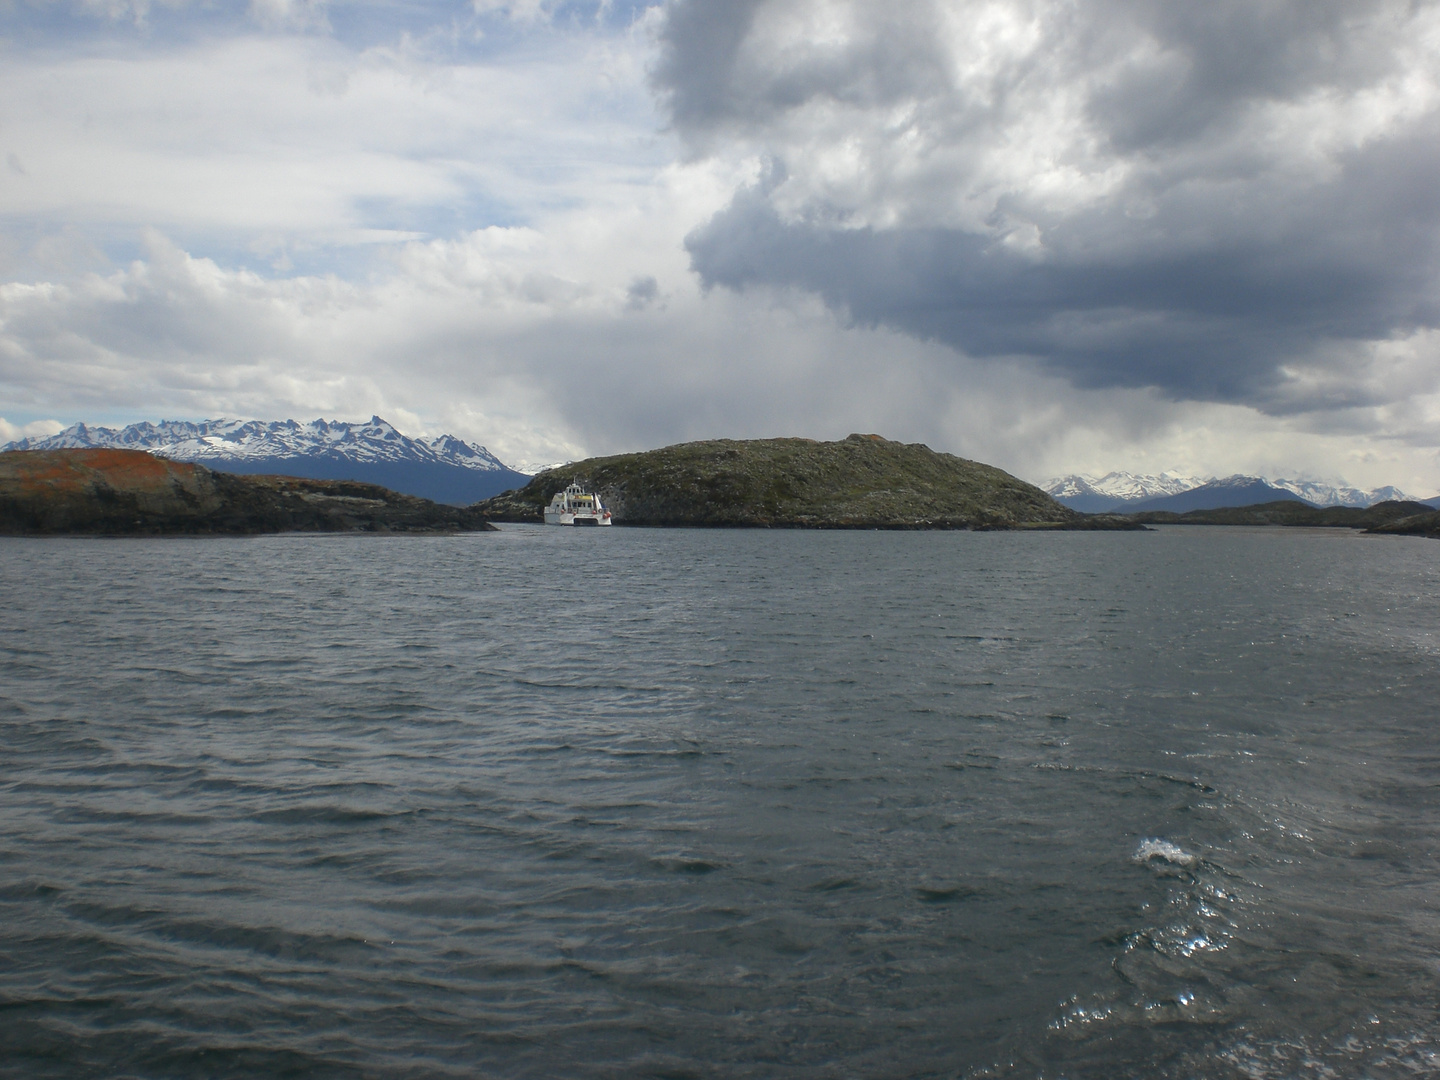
pixel 565 518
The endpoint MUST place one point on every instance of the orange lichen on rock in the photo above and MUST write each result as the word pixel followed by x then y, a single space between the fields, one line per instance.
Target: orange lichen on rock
pixel 103 490
pixel 32 471
pixel 134 465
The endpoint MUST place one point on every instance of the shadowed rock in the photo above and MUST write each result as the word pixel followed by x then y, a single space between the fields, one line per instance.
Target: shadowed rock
pixel 130 492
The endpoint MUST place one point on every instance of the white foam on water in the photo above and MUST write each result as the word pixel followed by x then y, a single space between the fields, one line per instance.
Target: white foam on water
pixel 1152 848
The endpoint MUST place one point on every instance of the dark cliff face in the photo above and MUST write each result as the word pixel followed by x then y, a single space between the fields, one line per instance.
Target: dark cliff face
pixel 863 481
pixel 130 492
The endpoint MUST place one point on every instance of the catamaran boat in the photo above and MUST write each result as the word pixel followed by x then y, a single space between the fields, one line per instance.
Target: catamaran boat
pixel 575 506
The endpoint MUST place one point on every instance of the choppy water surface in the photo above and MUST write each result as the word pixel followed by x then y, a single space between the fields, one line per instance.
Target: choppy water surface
pixel 683 803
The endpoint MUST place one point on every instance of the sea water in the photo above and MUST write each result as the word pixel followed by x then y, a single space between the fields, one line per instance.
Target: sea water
pixel 688 803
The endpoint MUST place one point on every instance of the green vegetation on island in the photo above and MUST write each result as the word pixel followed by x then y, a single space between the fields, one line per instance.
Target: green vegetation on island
pixel 1387 517
pixel 129 492
pixel 861 482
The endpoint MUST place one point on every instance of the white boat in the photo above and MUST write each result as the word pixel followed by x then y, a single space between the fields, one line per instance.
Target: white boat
pixel 576 506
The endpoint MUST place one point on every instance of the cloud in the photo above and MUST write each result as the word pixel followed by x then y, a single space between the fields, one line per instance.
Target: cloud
pixel 643 292
pixel 297 145
pixel 522 10
pixel 1056 236
pixel 1230 202
pixel 38 429
pixel 530 341
pixel 290 14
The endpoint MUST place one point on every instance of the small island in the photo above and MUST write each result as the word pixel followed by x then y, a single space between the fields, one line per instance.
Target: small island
pixel 132 493
pixel 860 482
pixel 1393 517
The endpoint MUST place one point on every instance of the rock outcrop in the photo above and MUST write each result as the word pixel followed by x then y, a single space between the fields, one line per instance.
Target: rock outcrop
pixel 862 482
pixel 1422 524
pixel 130 492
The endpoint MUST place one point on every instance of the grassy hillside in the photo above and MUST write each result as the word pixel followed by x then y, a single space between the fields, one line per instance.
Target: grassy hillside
pixel 863 481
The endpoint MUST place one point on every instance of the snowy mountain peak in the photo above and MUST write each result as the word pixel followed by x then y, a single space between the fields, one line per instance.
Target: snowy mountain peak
pixel 1116 489
pixel 1238 480
pixel 449 448
pixel 1341 495
pixel 1122 486
pixel 222 441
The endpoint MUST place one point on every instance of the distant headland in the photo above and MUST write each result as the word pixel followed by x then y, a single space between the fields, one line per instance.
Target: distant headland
pixel 1394 516
pixel 444 469
pixel 131 492
pixel 860 482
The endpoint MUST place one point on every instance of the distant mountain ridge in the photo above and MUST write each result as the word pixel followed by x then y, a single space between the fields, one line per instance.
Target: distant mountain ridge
pixel 444 469
pixel 1218 494
pixel 1097 495
pixel 1124 492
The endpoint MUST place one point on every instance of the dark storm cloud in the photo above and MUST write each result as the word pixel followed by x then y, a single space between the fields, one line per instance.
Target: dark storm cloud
pixel 1357 264
pixel 1230 248
pixel 709 81
pixel 696 69
pixel 1205 59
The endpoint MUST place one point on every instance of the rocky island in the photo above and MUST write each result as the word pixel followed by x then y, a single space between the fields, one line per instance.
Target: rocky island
pixel 130 492
pixel 1391 516
pixel 861 482
pixel 1427 524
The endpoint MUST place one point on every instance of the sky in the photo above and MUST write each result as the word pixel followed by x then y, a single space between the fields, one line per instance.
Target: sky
pixel 1059 236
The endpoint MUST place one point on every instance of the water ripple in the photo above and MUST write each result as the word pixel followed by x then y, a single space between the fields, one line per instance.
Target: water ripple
pixel 773 804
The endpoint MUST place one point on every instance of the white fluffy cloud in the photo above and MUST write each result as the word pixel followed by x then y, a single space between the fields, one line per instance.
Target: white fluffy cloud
pixel 287 141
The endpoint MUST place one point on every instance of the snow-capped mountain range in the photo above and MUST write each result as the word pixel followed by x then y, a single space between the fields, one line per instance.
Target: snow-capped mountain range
pixel 239 440
pixel 1116 490
pixel 444 468
pixel 1118 487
